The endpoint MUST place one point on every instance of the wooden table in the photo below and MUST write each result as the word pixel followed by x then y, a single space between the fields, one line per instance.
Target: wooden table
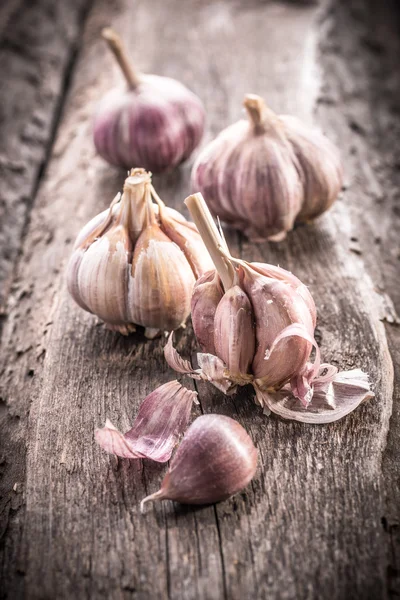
pixel 321 518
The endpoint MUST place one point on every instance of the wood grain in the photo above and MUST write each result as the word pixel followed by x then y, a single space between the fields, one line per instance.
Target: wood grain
pixel 38 42
pixel 319 520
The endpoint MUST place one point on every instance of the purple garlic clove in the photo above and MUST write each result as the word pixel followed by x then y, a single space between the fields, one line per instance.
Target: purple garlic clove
pixel 234 333
pixel 206 296
pixel 215 460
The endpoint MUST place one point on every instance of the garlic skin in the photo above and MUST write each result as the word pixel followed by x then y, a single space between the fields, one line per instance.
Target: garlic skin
pixel 163 416
pixel 136 264
pixel 215 460
pixel 156 122
pixel 260 331
pixel 263 174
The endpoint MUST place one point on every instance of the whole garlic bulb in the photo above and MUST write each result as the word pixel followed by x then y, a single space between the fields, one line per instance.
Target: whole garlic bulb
pixel 263 174
pixel 136 264
pixel 156 122
pixel 255 324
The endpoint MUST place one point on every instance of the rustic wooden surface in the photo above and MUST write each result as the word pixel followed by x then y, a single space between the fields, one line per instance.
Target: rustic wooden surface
pixel 321 518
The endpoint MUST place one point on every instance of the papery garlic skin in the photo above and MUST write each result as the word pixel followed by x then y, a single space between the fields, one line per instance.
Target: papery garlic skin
pixel 157 122
pixel 127 270
pixel 263 174
pixel 163 416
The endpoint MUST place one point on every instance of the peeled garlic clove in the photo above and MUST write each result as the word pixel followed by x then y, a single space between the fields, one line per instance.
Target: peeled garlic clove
pixel 215 460
pixel 155 121
pixel 163 416
pixel 234 331
pixel 320 164
pixel 161 283
pixel 262 175
pixel 206 296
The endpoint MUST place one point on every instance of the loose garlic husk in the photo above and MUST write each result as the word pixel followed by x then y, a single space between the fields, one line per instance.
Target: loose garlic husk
pixel 263 174
pixel 156 122
pixel 215 460
pixel 136 264
pixel 255 324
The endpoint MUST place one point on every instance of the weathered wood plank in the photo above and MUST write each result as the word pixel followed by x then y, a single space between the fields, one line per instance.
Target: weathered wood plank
pixel 310 524
pixel 362 95
pixel 37 46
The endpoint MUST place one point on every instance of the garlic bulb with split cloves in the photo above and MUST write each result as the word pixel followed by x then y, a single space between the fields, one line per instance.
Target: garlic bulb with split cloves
pixel 215 460
pixel 263 174
pixel 255 324
pixel 156 122
pixel 136 264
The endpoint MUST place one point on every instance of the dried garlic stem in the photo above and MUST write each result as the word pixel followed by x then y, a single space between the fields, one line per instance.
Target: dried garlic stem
pixel 259 113
pixel 212 239
pixel 115 44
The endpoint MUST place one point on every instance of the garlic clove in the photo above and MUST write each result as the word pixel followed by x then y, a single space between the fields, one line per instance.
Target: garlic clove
pixel 205 299
pixel 283 275
pixel 234 331
pixel 163 416
pixel 189 241
pixel 72 278
pixel 275 308
pixel 102 277
pixel 161 282
pixel 215 460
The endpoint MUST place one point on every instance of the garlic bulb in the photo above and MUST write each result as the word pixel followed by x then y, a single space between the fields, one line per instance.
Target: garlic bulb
pixel 215 460
pixel 255 324
pixel 156 122
pixel 137 263
pixel 263 174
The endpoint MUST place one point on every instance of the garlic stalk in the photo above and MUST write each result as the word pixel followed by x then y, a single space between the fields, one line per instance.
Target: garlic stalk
pixel 155 122
pixel 136 264
pixel 215 460
pixel 263 174
pixel 255 324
